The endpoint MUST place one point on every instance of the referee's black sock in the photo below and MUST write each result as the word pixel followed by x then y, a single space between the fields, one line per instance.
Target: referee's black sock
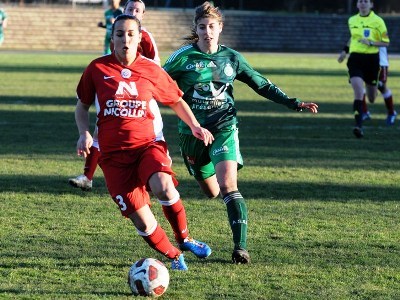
pixel 357 108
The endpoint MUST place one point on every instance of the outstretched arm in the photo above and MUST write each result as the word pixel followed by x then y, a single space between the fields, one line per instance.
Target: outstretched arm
pixel 308 105
pixel 265 88
pixel 186 115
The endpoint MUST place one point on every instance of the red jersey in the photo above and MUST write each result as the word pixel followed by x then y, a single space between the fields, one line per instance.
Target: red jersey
pixel 128 116
pixel 149 47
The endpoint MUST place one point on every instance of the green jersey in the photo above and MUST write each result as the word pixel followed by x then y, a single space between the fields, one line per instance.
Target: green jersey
pixel 207 83
pixel 110 15
pixel 3 16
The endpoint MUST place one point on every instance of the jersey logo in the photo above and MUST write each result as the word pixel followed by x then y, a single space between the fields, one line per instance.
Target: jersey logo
pixel 210 88
pixel 125 104
pixel 207 97
pixel 108 77
pixel 228 70
pixel 126 90
pixel 197 66
pixel 126 73
pixel 221 150
pixel 367 32
pixel 211 64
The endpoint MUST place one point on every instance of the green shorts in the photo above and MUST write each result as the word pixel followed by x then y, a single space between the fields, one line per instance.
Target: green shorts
pixel 200 160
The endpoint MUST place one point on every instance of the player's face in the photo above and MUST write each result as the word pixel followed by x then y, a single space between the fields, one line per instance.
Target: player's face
pixel 126 39
pixel 115 3
pixel 364 6
pixel 208 31
pixel 135 9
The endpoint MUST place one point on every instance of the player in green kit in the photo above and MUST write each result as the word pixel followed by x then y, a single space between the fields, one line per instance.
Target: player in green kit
pixel 109 15
pixel 205 72
pixel 3 24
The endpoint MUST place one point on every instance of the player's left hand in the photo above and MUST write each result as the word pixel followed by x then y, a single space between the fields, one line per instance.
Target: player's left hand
pixel 310 106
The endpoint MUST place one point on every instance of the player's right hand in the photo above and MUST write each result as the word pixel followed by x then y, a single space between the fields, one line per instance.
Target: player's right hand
pixel 83 145
pixel 203 134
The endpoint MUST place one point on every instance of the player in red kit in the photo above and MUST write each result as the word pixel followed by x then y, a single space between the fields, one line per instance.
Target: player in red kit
pixel 125 88
pixel 147 48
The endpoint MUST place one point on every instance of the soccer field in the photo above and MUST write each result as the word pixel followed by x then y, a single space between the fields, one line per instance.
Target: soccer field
pixel 324 207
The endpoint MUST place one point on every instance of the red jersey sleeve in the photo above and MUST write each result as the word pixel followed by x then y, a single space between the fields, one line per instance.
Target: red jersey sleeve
pixel 166 90
pixel 86 91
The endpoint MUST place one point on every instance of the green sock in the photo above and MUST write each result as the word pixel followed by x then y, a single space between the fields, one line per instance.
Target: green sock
pixel 237 216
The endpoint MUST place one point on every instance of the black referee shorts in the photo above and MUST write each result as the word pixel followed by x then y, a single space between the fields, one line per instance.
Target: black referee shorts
pixel 365 66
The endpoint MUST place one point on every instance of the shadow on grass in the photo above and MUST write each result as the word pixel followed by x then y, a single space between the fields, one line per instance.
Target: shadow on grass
pixel 258 190
pixel 35 100
pixel 279 139
pixel 48 185
pixel 67 69
pixel 310 72
pixel 42 69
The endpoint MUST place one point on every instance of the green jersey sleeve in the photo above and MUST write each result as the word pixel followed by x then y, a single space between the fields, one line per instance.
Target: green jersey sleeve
pixel 263 86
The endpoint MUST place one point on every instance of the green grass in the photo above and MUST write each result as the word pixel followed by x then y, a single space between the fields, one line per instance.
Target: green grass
pixel 323 206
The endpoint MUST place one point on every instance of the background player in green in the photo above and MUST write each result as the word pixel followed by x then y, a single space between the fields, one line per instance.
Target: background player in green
pixel 110 14
pixel 3 24
pixel 368 33
pixel 205 72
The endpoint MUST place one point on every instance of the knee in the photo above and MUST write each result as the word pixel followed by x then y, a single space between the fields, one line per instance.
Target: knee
pixel 164 193
pixel 227 185
pixel 162 186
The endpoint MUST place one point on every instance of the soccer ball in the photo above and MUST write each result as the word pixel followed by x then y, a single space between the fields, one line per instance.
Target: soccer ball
pixel 148 277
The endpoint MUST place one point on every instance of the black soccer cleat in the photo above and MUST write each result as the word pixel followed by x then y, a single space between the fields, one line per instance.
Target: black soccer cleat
pixel 358 132
pixel 240 256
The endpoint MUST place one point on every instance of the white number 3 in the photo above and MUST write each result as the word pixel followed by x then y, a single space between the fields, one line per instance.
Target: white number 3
pixel 121 202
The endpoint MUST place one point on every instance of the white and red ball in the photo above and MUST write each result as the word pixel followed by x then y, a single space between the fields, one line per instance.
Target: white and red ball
pixel 148 277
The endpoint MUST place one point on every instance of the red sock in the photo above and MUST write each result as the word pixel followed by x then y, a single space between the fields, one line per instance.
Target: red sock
pixel 91 162
pixel 176 216
pixel 159 241
pixel 389 104
pixel 364 105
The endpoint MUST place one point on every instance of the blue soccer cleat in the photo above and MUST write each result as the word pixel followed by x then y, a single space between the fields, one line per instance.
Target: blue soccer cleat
pixel 366 116
pixel 391 118
pixel 200 249
pixel 178 263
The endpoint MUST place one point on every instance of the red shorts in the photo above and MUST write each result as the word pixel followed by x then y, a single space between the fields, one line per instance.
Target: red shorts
pixel 127 174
